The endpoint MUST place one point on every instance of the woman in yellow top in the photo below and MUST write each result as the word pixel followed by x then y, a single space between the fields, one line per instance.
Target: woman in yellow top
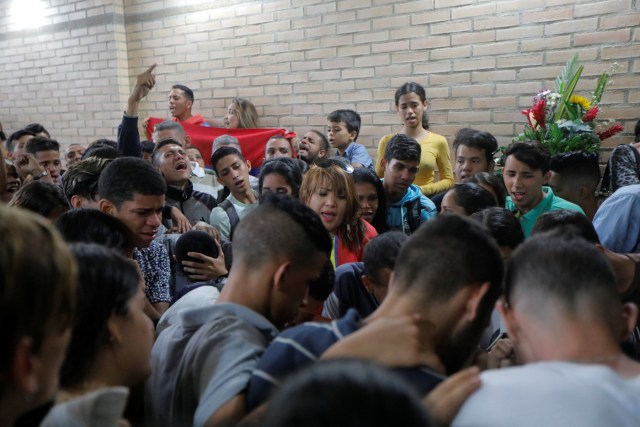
pixel 411 104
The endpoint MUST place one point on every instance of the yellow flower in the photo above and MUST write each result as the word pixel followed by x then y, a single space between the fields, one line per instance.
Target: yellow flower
pixel 581 100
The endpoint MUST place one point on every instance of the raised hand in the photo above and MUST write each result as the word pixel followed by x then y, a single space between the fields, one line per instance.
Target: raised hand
pixel 144 83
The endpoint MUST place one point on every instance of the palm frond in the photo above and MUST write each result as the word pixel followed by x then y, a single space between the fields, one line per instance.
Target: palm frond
pixel 568 90
pixel 567 73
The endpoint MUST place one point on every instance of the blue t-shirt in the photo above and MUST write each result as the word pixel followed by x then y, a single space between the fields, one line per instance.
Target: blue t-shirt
pixel 617 221
pixel 356 153
pixel 302 345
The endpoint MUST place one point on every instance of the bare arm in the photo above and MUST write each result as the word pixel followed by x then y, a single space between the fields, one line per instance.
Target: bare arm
pixel 228 414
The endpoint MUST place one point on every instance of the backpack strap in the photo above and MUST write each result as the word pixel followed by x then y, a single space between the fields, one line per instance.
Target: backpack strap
pixel 413 214
pixel 232 214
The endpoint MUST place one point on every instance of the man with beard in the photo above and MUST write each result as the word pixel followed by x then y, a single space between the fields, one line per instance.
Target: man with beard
pixel 448 273
pixel 313 146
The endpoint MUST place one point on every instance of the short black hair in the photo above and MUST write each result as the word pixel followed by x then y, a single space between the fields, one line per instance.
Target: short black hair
pixel 149 146
pixel 104 141
pixel 94 226
pixel 280 225
pixel 476 139
pixel 577 166
pixel 324 142
pixel 45 199
pixel 567 270
pixel 473 198
pixel 101 152
pixel 285 167
pixel 503 226
pixel 194 241
pixel 224 152
pixel 125 177
pixel 37 128
pixel 321 288
pixel 11 142
pixel 531 153
pixel 81 179
pixel 402 147
pixel 561 219
pixel 323 393
pixel 382 252
pixel 159 145
pixel 495 182
pixel 106 282
pixel 188 92
pixel 636 131
pixel 446 254
pixel 349 117
pixel 41 143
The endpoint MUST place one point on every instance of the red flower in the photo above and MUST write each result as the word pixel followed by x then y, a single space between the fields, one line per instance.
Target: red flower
pixel 617 128
pixel 527 113
pixel 538 113
pixel 590 115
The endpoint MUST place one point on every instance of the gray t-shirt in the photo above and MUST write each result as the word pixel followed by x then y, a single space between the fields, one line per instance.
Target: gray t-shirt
pixel 202 361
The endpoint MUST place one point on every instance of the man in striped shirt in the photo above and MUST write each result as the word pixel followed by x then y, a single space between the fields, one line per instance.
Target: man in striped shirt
pixel 448 273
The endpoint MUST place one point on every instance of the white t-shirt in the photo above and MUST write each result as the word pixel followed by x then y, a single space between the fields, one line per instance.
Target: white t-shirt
pixel 553 394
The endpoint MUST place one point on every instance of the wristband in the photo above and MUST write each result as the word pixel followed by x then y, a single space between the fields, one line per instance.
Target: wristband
pixel 40 175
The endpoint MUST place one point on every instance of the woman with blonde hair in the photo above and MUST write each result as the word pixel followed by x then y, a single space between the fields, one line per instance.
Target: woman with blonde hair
pixel 328 189
pixel 241 114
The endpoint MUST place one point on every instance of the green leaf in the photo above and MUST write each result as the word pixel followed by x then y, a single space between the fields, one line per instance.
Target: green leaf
pixel 568 91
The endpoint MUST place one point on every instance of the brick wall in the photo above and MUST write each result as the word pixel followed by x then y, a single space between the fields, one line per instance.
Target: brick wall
pixel 297 60
pixel 71 74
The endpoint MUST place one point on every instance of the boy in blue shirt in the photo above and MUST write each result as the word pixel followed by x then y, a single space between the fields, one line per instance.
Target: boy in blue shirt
pixel 344 127
pixel 407 207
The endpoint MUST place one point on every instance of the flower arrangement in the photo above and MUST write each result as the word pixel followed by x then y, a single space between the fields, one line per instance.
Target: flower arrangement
pixel 563 121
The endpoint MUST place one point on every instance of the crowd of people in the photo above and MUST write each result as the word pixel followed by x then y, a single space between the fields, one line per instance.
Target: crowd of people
pixel 322 288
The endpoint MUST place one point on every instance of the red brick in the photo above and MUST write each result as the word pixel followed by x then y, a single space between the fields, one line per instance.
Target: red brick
pixel 469 116
pixel 503 6
pixel 608 37
pixel 452 52
pixel 431 17
pixel 474 64
pixel 490 49
pixel 545 43
pixel 489 8
pixel 601 7
pixel 450 27
pixel 473 91
pixel 632 51
pixel 430 42
pixel 474 37
pixel 620 21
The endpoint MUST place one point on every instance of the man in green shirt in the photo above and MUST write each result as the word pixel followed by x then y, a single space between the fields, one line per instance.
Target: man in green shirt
pixel 525 173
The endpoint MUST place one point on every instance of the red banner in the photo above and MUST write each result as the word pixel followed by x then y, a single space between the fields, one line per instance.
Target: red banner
pixel 252 141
